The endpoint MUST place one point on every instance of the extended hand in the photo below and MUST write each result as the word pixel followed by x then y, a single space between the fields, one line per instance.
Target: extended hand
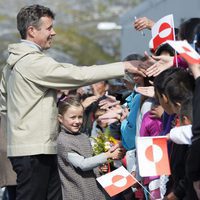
pixel 163 62
pixel 89 100
pixel 143 23
pixel 146 91
pixel 118 154
pixel 111 116
pixel 135 67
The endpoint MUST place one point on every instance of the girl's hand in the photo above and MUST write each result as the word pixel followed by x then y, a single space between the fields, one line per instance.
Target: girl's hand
pixel 117 154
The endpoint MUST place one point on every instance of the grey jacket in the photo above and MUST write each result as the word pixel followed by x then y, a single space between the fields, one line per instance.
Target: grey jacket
pixel 28 96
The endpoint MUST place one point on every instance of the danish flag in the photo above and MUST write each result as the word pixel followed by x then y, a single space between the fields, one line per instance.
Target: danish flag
pixel 186 51
pixel 116 181
pixel 152 156
pixel 162 31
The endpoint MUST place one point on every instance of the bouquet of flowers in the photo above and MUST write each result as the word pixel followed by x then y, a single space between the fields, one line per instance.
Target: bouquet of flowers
pixel 103 142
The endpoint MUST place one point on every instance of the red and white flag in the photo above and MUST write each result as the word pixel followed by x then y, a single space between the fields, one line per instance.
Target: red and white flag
pixel 152 156
pixel 116 181
pixel 162 31
pixel 186 51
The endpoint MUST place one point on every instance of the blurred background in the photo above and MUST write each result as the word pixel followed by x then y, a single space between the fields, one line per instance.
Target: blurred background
pixel 78 40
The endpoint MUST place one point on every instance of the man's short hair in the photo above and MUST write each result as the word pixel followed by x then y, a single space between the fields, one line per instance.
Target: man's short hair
pixel 30 16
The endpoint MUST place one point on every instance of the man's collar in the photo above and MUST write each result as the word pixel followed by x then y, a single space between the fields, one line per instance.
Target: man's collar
pixel 32 44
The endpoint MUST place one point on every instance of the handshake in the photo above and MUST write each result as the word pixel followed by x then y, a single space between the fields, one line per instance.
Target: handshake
pixel 116 152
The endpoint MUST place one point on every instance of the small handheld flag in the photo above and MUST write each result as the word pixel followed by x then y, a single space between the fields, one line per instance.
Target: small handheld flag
pixel 152 156
pixel 116 181
pixel 186 51
pixel 162 31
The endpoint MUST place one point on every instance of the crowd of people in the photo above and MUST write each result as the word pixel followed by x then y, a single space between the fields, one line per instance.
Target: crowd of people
pixel 52 112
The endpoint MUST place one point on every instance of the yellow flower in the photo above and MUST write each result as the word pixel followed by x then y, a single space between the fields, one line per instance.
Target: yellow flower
pixel 103 142
pixel 113 140
pixel 107 146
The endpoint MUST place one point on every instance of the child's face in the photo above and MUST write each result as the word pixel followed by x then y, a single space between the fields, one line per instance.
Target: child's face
pixel 169 107
pixel 72 119
pixel 97 114
pixel 138 79
pixel 185 120
pixel 99 88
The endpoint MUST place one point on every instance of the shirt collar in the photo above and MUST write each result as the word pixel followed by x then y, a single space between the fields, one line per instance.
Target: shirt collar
pixel 32 44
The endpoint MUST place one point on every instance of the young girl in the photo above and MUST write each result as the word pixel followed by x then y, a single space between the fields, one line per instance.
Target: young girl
pixel 75 161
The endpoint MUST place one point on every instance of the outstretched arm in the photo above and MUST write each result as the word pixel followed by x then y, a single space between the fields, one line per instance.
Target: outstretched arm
pixel 86 164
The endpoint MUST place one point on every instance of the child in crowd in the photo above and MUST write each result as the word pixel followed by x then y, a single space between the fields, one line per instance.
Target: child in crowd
pixel 183 133
pixel 103 126
pixel 172 88
pixel 136 106
pixel 76 162
pixel 98 125
pixel 152 126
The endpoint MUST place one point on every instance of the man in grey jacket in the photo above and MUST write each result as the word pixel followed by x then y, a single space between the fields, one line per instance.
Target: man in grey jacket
pixel 28 102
